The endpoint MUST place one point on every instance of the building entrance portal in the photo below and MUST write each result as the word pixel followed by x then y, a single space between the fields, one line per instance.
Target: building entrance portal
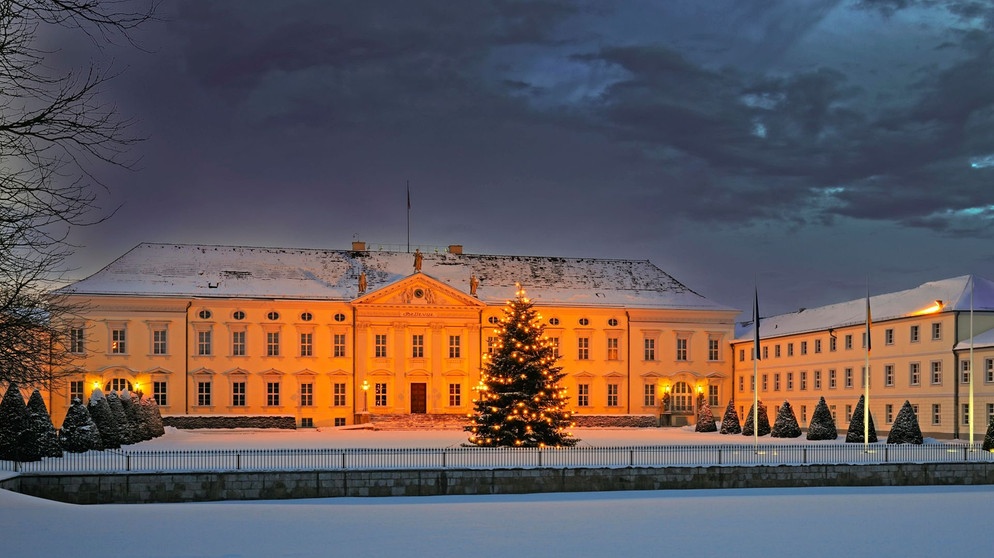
pixel 419 398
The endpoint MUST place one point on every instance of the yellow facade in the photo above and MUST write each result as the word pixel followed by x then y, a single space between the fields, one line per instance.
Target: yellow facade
pixel 415 344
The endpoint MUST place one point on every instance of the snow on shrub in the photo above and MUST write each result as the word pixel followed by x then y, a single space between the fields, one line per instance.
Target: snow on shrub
pixel 107 423
pixel 822 426
pixel 764 421
pixel 13 423
pixel 785 425
pixel 41 435
pixel 730 421
pixel 79 433
pixel 855 433
pixel 705 418
pixel 906 429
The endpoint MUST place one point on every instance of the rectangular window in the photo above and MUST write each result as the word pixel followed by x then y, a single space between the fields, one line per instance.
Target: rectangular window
pixel 118 341
pixel 237 343
pixel 418 345
pixel 159 342
pixel 204 343
pixel 681 348
pixel 612 348
pixel 889 375
pixel 989 367
pixel 306 395
pixel 766 352
pixel 159 393
pixel 306 344
pixel 817 379
pixel 804 380
pixel 889 336
pixel 338 345
pixel 742 355
pixel 817 345
pixel 848 341
pixel 649 352
pixel 338 394
pixel 848 378
pixel 741 383
pixel 612 395
pixel 914 334
pixel 306 422
pixel 752 383
pixel 936 331
pixel 76 341
pixel 204 394
pixel 766 382
pixel 455 350
pixel 863 346
pixel 804 414
pixel 455 395
pixel 936 413
pixel 238 394
pixel 649 395
pixel 832 342
pixel 273 343
pixel 583 395
pixel 272 394
pixel 832 408
pixel 776 382
pixel 914 374
pixel 790 381
pixel 583 348
pixel 964 371
pixel 966 414
pixel 831 379
pixel 380 400
pixel 990 412
pixel 936 372
pixel 713 352
pixel 790 349
pixel 776 351
pixel 713 396
pixel 491 343
pixel 848 413
pixel 380 345
pixel 888 413
pixel 804 347
pixel 555 346
pixel 76 390
pixel 339 421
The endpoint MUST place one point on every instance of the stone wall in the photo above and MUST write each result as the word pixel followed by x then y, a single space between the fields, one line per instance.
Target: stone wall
pixel 613 421
pixel 187 422
pixel 195 487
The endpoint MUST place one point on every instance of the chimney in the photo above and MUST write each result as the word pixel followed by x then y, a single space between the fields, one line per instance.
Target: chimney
pixel 455 248
pixel 358 246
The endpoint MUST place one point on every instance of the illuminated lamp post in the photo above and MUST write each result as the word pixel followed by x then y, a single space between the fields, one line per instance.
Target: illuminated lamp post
pixel 365 396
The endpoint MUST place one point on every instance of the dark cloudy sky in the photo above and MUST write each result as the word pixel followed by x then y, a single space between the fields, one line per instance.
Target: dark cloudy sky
pixel 804 145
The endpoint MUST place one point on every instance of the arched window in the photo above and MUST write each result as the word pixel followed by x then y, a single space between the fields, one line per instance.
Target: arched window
pixel 683 398
pixel 118 384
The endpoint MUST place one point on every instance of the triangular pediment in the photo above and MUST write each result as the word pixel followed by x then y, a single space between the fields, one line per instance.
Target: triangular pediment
pixel 419 290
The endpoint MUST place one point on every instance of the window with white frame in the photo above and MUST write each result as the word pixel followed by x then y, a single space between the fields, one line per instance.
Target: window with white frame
pixel 555 346
pixel 455 395
pixel 832 409
pixel 790 381
pixel 990 412
pixel 832 344
pixel 849 383
pixel 804 347
pixel 936 331
pixel 848 413
pixel 238 343
pixel 936 413
pixel 713 395
pixel 913 334
pixel 766 352
pixel 681 348
pixel 848 341
pixel 238 394
pixel 159 342
pixel 964 371
pixel 612 395
pixel 118 341
pixel 889 336
pixel 776 382
pixel 766 383
pixel 936 372
pixel 380 345
pixel 583 395
pixel 160 393
pixel 776 351
pixel 418 345
pixel 204 342
pixel 306 344
pixel 817 345
pixel 612 348
pixel 966 414
pixel 889 375
pixel 790 349
pixel 76 390
pixel 455 350
pixel 888 413
pixel 817 379
pixel 338 394
pixel 714 345
pixel 307 395
pixel 272 343
pixel 583 348
pixel 77 341
pixel 380 393
pixel 272 394
pixel 204 393
pixel 989 367
pixel 804 380
pixel 338 345
pixel 649 395
pixel 831 379
pixel 649 349
pixel 491 344
pixel 914 374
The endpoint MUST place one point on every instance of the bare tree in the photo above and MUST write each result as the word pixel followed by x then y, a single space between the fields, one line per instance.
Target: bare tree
pixel 55 133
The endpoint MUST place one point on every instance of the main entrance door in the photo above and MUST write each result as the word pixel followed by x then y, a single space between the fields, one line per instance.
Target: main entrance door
pixel 419 398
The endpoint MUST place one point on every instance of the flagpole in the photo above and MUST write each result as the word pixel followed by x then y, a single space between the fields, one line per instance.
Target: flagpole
pixel 972 282
pixel 755 371
pixel 408 216
pixel 866 375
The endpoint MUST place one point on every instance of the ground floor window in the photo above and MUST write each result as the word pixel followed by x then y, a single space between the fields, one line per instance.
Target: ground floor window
pixel 936 413
pixel 381 395
pixel 455 395
pixel 713 396
pixel 649 396
pixel 272 394
pixel 76 390
pixel 203 394
pixel 583 395
pixel 683 398
pixel 612 395
pixel 118 384
pixel 238 394
pixel 339 421
pixel 159 393
pixel 306 422
pixel 338 395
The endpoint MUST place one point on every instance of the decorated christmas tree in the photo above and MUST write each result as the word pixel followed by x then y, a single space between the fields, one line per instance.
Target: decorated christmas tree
pixel 785 425
pixel 705 418
pixel 520 401
pixel 988 439
pixel 764 421
pixel 855 433
pixel 906 429
pixel 730 422
pixel 822 426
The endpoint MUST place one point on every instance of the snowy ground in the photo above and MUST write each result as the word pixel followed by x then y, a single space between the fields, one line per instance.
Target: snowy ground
pixel 886 521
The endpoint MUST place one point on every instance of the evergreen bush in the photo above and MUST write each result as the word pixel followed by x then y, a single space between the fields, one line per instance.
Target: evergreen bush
pixel 13 423
pixel 730 421
pixel 79 433
pixel 905 429
pixel 107 423
pixel 822 426
pixel 855 433
pixel 764 421
pixel 705 418
pixel 785 425
pixel 988 439
pixel 41 432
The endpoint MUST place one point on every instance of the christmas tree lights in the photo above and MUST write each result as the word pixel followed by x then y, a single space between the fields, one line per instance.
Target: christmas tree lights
pixel 519 401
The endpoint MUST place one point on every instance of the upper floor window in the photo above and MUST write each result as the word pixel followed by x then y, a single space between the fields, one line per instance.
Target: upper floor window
pixel 338 345
pixel 804 347
pixel 306 344
pixel 238 315
pixel 380 345
pixel 273 343
pixel 306 316
pixel 584 321
pixel 418 345
pixel 273 315
pixel 455 350
pixel 914 334
pixel 936 331
pixel 889 336
pixel 204 343
pixel 790 350
pixel 817 346
pixel 238 343
pixel 681 348
pixel 158 342
pixel 649 349
pixel 613 322
pixel 612 348
pixel 583 348
pixel 713 349
pixel 118 341
pixel 832 342
pixel 204 314
pixel 339 317
pixel 76 340
pixel 554 321
pixel 848 341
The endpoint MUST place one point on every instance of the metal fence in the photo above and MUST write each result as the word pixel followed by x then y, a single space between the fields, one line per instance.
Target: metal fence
pixel 186 461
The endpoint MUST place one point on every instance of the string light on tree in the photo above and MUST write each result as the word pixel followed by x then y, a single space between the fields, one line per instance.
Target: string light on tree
pixel 519 401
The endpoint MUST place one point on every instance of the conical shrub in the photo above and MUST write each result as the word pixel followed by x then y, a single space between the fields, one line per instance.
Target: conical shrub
pixel 730 422
pixel 764 422
pixel 13 423
pixel 705 418
pixel 41 432
pixel 855 433
pixel 988 439
pixel 822 426
pixel 785 425
pixel 107 423
pixel 151 416
pixel 79 433
pixel 906 430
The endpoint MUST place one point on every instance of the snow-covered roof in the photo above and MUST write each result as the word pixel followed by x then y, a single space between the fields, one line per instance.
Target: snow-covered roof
pixel 985 339
pixel 182 270
pixel 947 295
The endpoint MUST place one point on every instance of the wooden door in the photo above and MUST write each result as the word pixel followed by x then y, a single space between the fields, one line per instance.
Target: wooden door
pixel 419 398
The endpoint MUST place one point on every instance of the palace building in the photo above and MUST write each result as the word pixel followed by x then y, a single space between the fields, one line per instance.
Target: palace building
pixel 331 337
pixel 922 342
